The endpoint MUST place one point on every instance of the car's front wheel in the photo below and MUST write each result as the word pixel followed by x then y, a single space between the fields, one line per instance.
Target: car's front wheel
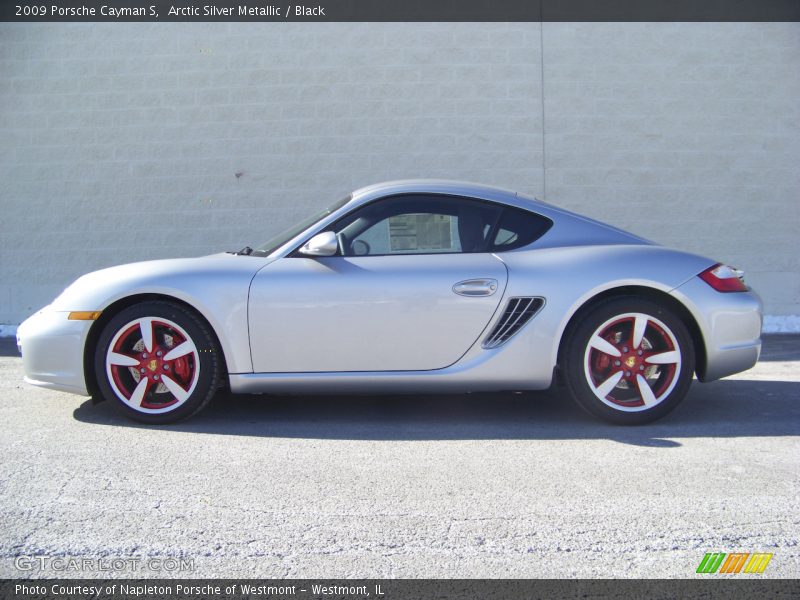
pixel 157 362
pixel 629 361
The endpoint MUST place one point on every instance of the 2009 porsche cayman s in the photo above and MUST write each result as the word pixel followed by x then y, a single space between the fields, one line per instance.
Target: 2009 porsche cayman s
pixel 411 286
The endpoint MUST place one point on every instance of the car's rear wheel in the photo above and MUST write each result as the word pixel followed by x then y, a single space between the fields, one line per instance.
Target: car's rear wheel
pixel 629 361
pixel 157 362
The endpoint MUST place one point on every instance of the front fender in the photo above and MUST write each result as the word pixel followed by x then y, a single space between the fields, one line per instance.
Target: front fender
pixel 216 286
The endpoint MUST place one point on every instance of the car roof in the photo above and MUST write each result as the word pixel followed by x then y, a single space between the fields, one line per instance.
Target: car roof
pixel 442 186
pixel 459 188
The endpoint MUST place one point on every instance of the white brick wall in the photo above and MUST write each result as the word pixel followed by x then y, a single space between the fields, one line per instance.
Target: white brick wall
pixel 123 142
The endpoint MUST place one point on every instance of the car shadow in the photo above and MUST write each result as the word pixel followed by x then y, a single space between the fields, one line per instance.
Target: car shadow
pixel 733 408
pixel 779 348
pixel 8 346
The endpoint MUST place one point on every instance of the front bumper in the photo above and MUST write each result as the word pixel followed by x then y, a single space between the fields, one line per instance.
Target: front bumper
pixel 730 324
pixel 52 351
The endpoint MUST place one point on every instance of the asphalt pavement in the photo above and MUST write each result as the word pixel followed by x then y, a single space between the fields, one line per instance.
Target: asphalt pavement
pixel 458 486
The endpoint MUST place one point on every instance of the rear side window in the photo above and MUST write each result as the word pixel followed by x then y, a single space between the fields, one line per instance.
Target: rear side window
pixel 518 228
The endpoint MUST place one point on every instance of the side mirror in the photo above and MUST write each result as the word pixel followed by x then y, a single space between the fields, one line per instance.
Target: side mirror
pixel 322 244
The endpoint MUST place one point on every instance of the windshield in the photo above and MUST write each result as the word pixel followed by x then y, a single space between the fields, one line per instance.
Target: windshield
pixel 279 240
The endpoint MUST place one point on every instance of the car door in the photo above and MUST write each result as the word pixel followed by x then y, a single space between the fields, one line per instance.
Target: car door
pixel 411 289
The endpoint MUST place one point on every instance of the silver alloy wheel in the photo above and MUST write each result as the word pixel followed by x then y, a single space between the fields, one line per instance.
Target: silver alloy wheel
pixel 632 362
pixel 152 365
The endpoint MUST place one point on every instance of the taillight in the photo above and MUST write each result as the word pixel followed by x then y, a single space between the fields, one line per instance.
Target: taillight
pixel 724 278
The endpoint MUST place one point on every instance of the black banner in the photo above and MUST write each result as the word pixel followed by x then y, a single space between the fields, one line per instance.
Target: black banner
pixel 400 10
pixel 396 589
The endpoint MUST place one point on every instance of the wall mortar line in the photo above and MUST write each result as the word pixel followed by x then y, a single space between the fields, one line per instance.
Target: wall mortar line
pixel 541 75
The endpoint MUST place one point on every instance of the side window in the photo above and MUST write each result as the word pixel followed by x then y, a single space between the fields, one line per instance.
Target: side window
pixel 408 233
pixel 417 224
pixel 518 228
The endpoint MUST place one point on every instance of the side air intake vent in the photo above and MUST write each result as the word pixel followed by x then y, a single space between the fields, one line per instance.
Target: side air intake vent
pixel 518 312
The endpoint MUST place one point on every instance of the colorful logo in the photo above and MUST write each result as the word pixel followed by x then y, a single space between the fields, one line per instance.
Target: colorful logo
pixel 736 562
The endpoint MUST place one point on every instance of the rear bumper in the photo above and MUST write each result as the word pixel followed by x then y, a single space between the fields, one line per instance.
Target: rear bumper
pixel 52 351
pixel 730 324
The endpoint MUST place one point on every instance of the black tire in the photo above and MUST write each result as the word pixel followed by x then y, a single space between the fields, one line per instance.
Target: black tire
pixel 589 370
pixel 178 385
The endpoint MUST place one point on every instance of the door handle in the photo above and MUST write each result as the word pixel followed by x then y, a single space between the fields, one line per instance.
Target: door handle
pixel 476 287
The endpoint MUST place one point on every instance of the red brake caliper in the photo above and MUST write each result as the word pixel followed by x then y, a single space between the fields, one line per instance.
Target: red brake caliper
pixel 182 368
pixel 602 361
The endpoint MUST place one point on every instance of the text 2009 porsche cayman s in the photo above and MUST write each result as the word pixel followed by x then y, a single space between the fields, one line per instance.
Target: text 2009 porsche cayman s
pixel 411 286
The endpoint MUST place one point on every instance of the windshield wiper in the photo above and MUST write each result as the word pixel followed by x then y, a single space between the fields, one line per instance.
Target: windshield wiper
pixel 246 251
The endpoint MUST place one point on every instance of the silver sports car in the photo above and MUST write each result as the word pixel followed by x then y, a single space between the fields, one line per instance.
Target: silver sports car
pixel 410 286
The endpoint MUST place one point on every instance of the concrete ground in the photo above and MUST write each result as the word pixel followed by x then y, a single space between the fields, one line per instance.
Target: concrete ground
pixel 455 486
